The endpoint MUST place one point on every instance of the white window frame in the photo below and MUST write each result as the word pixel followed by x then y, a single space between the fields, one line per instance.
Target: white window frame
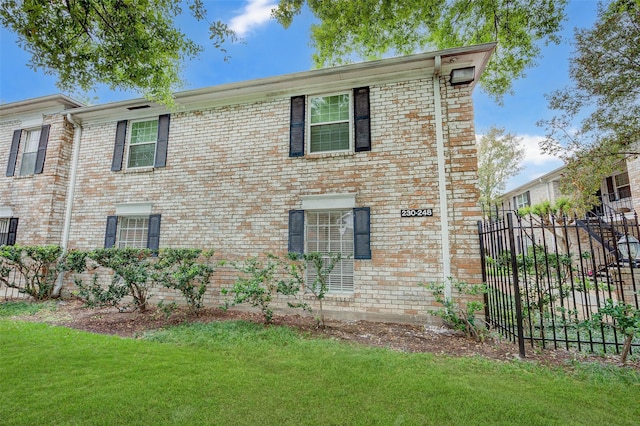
pixel 4 230
pixel 132 231
pixel 154 142
pixel 31 144
pixel 618 186
pixel 341 279
pixel 311 125
pixel 521 200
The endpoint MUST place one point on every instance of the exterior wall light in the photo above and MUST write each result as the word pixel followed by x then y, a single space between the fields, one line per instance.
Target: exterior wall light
pixel 629 248
pixel 462 75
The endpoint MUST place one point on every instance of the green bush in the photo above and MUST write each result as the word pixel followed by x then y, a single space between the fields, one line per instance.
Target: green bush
pixel 131 277
pixel 35 268
pixel 459 315
pixel 186 270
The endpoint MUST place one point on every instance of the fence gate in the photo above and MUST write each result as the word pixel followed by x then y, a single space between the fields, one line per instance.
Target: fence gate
pixel 547 276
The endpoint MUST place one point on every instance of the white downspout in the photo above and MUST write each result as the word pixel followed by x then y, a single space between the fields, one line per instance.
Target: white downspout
pixel 442 182
pixel 66 228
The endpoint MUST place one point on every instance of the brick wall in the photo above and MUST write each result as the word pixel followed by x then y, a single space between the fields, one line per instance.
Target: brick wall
pixel 229 184
pixel 38 201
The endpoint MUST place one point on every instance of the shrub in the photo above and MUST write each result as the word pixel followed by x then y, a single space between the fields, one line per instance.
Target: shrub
pixel 35 268
pixel 459 316
pixel 186 270
pixel 131 273
pixel 322 265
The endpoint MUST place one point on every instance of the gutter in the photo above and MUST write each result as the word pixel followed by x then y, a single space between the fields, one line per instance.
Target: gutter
pixel 442 182
pixel 77 135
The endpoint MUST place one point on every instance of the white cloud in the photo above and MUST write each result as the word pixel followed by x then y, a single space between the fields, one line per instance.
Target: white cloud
pixel 254 14
pixel 533 154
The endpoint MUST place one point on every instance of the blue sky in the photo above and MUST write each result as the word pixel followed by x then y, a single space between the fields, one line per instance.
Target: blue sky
pixel 268 50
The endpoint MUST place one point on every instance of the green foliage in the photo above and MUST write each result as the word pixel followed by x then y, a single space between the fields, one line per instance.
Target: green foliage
pixel 370 29
pixel 459 315
pixel 256 285
pixel 131 276
pixel 597 119
pixel 186 270
pixel 167 308
pixel 322 265
pixel 500 156
pixel 32 270
pixel 127 45
pixel 620 316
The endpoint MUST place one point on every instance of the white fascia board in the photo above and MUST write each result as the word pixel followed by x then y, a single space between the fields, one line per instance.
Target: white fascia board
pixel 328 201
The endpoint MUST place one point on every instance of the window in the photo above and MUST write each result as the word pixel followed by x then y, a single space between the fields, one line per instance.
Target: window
pixel 8 228
pixel 335 230
pixel 332 123
pixel 332 232
pixel 142 143
pixel 133 231
pixel 622 185
pixel 147 143
pixel 329 122
pixel 30 153
pixel 522 200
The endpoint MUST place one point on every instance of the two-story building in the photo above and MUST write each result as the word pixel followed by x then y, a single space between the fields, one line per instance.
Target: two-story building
pixel 374 160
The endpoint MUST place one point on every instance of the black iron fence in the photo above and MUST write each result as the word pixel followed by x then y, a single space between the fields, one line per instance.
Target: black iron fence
pixel 548 278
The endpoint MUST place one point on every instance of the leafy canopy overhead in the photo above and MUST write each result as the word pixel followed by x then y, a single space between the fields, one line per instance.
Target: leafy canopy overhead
pixel 369 29
pixel 597 126
pixel 135 44
pixel 126 44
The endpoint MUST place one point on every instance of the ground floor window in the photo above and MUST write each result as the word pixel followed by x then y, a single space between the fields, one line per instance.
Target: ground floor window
pixel 4 231
pixel 332 232
pixel 132 232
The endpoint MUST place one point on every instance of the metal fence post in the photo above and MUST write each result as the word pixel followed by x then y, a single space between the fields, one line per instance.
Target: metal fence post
pixel 516 284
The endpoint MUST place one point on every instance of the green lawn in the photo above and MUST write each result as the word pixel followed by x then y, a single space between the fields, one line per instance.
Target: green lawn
pixel 236 373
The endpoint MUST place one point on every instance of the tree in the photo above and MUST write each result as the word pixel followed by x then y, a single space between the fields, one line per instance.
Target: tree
pixel 597 125
pixel 371 28
pixel 500 156
pixel 126 44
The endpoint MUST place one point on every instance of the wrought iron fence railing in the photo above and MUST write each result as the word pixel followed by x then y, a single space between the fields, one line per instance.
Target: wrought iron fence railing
pixel 548 278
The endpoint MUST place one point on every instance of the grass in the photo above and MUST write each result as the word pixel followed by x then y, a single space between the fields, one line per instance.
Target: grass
pixel 243 373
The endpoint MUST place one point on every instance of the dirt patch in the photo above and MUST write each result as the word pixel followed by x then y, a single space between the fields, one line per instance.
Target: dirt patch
pixel 401 337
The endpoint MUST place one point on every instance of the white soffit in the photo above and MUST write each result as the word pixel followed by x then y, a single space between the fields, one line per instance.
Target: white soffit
pixel 6 211
pixel 328 201
pixel 134 209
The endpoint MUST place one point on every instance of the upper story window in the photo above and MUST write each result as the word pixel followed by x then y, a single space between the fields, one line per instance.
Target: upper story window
pixel 30 147
pixel 30 152
pixel 142 143
pixel 146 143
pixel 330 123
pixel 622 185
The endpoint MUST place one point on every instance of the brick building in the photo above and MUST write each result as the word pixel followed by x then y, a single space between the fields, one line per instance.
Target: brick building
pixel 375 160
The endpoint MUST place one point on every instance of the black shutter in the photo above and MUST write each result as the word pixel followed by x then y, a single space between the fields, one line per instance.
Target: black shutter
pixel 118 149
pixel 13 228
pixel 163 140
pixel 361 233
pixel 611 189
pixel 528 198
pixel 361 118
pixel 13 154
pixel 296 231
pixel 110 234
pixel 153 233
pixel 42 148
pixel 296 129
